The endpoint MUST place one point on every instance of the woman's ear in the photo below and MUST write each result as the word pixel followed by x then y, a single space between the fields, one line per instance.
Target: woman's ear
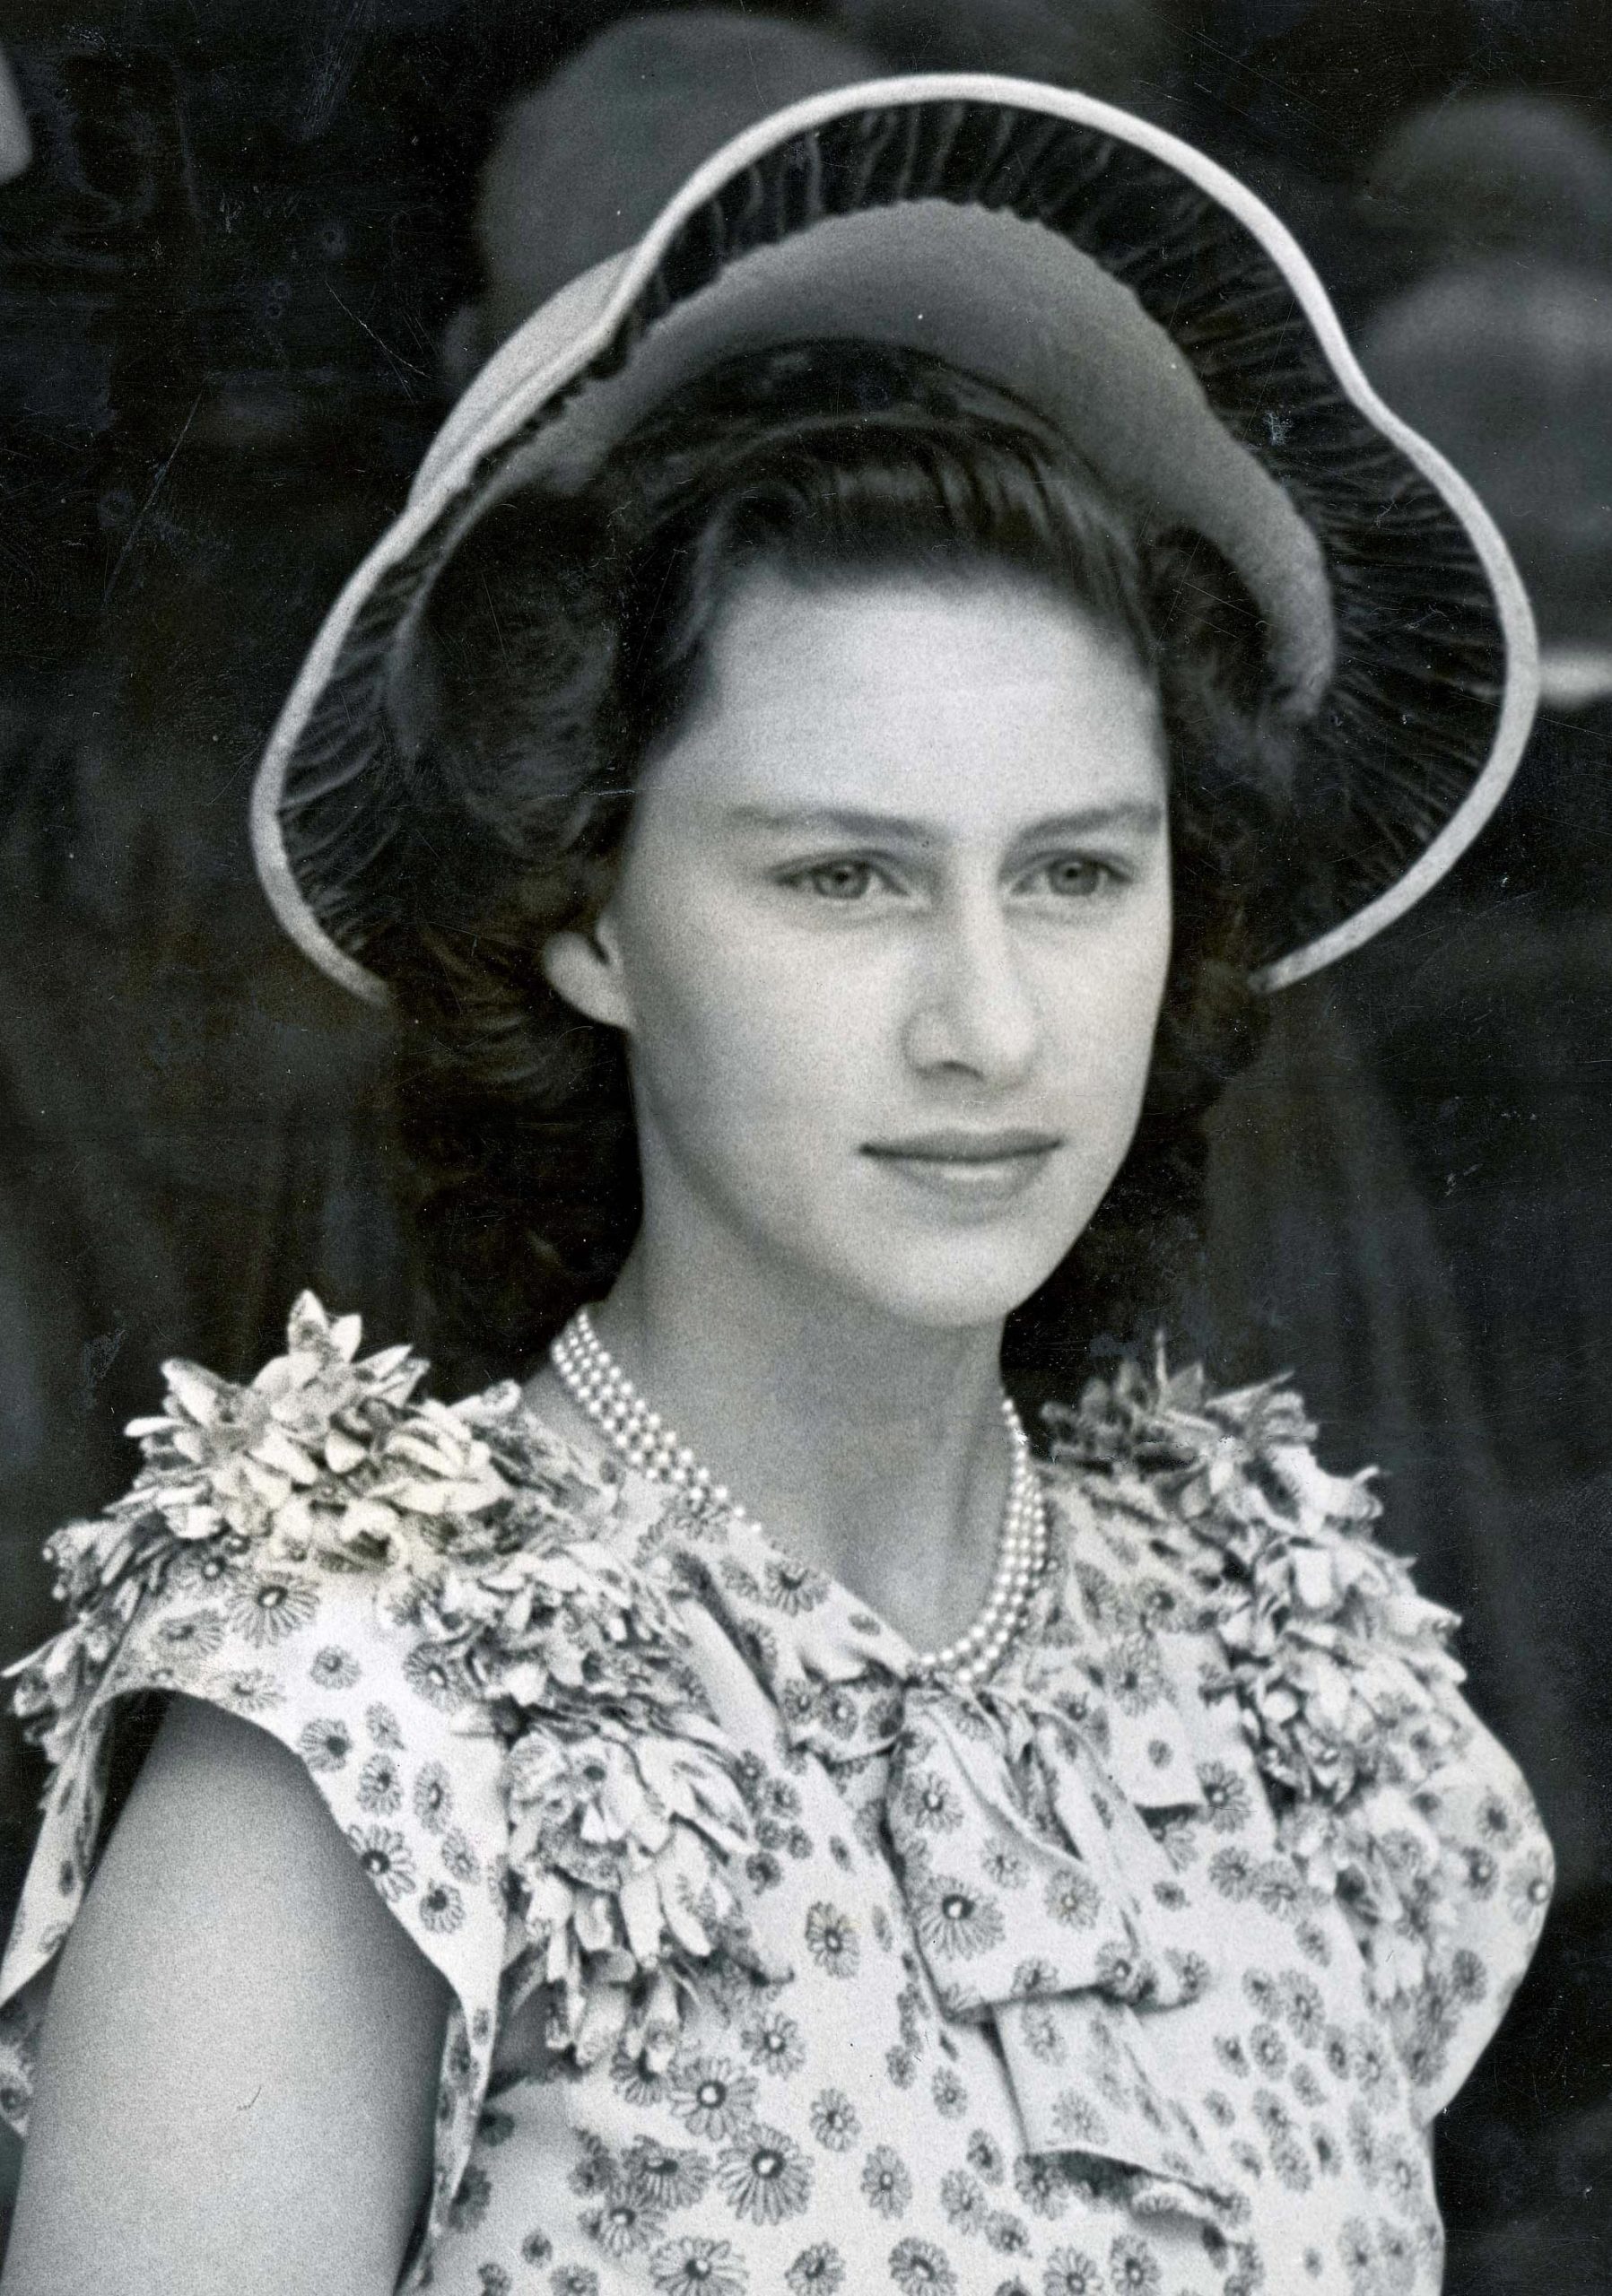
pixel 583 965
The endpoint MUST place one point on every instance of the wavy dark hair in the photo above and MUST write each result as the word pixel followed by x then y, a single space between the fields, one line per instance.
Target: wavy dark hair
pixel 565 637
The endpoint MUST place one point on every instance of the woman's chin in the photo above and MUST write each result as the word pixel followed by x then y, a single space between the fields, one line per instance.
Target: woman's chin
pixel 958 1289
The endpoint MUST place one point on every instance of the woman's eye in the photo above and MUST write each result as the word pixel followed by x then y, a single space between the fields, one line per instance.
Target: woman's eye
pixel 840 881
pixel 1073 876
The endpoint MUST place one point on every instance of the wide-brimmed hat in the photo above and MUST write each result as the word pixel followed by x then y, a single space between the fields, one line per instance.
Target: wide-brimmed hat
pixel 1137 296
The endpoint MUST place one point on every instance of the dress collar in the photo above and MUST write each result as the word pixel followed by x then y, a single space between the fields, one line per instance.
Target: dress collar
pixel 1016 1813
pixel 1087 1655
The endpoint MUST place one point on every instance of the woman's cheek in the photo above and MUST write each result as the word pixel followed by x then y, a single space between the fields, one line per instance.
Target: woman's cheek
pixel 745 1043
pixel 1102 1002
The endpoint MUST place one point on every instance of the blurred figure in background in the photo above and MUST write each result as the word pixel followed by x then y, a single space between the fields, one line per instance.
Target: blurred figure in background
pixel 1520 178
pixel 580 123
pixel 1123 51
pixel 1508 363
pixel 607 110
pixel 16 145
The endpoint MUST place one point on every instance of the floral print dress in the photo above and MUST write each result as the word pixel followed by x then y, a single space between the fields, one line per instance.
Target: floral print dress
pixel 1141 1970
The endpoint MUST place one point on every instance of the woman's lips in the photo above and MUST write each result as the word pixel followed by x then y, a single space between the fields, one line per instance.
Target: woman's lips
pixel 969 1167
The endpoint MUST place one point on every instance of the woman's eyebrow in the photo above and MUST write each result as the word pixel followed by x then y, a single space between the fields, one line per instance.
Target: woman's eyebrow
pixel 1143 816
pixel 832 821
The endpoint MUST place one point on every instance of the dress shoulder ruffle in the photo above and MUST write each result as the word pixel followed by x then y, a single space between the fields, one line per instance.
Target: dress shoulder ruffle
pixel 421 1603
pixel 1389 1793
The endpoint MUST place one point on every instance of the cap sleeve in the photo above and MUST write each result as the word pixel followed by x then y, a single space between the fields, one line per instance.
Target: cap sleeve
pixel 1389 1795
pixel 1477 1889
pixel 316 1658
pixel 412 1600
pixel 1392 1795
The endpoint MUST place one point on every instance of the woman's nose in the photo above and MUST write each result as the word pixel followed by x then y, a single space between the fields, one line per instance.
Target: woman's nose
pixel 974 1010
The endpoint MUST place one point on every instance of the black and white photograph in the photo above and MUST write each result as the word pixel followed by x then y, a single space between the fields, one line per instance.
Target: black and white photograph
pixel 806 1148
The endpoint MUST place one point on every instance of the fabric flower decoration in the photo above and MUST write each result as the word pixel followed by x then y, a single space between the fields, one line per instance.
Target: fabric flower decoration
pixel 1338 1666
pixel 619 1787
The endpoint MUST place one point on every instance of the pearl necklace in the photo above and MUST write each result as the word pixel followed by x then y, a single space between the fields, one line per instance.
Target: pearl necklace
pixel 599 1388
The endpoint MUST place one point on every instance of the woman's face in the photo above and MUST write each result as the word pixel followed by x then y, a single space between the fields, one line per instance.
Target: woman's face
pixel 889 939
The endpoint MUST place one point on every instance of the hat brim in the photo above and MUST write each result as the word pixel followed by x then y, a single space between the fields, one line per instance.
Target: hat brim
pixel 1398 624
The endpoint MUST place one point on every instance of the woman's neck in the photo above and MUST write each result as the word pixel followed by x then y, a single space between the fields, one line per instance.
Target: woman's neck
pixel 872 1449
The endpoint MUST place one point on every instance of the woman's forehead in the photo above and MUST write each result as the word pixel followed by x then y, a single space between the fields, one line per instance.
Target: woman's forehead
pixel 942 704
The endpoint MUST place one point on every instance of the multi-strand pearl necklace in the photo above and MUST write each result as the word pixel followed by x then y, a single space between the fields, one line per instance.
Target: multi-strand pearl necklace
pixel 599 1388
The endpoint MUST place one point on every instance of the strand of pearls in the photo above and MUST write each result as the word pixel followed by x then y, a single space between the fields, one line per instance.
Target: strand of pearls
pixel 602 1391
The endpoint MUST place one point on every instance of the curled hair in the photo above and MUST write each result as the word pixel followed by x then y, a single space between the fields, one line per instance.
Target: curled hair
pixel 566 637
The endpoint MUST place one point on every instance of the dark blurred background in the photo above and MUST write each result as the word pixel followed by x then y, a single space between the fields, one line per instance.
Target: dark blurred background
pixel 247 255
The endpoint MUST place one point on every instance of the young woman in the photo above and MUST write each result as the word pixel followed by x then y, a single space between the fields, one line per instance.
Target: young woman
pixel 867 693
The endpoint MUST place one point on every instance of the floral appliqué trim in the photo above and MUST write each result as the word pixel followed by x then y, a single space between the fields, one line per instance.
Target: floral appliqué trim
pixel 1340 1668
pixel 622 1810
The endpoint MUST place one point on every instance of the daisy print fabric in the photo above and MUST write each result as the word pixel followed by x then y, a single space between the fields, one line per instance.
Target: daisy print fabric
pixel 777 1968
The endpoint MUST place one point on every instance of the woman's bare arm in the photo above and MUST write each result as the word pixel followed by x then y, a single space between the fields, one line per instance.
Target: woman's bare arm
pixel 239 2063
